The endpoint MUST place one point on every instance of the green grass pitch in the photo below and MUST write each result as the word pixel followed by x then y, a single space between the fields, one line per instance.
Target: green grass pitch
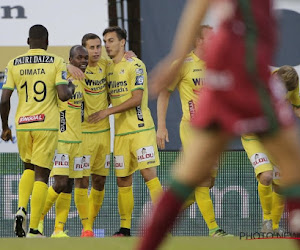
pixel 172 243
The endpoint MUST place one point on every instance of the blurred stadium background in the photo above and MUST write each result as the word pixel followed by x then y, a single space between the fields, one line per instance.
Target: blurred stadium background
pixel 151 26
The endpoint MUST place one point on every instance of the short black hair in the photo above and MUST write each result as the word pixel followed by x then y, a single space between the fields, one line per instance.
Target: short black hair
pixel 38 31
pixel 73 50
pixel 87 37
pixel 121 33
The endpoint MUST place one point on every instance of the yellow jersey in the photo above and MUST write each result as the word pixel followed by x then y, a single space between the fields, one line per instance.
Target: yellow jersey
pixel 123 78
pixel 71 116
pixel 189 82
pixel 35 74
pixel 95 97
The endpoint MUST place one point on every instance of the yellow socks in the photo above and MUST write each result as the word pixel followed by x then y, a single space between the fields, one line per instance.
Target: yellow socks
pixel 62 208
pixel 38 198
pixel 125 204
pixel 265 196
pixel 82 204
pixel 206 206
pixel 155 189
pixel 277 209
pixel 25 187
pixel 95 202
pixel 51 198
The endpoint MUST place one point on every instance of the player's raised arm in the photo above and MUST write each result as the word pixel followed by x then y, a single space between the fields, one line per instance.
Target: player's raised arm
pixel 163 74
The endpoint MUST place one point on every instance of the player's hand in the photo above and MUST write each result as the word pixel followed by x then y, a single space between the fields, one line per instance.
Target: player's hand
pixel 162 136
pixel 75 72
pixel 129 54
pixel 98 116
pixel 6 135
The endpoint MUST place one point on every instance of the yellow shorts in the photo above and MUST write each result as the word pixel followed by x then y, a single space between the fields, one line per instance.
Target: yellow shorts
pixel 186 133
pixel 68 160
pixel 96 153
pixel 37 147
pixel 135 152
pixel 260 159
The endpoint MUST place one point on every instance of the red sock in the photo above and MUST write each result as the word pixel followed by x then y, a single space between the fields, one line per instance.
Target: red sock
pixel 161 221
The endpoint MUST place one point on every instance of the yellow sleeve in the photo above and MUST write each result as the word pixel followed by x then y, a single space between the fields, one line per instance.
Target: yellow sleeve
pixel 8 82
pixel 138 76
pixel 61 73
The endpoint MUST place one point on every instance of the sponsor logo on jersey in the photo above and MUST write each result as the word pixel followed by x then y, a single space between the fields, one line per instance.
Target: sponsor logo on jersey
pixel 122 72
pixel 31 119
pixel 139 71
pixel 100 70
pixel 63 122
pixel 139 80
pixel 85 161
pixel 145 154
pixel 107 161
pixel 5 76
pixel 139 113
pixel 33 59
pixel 110 73
pixel 78 164
pixel 259 159
pixel 119 162
pixel 138 65
pixel 198 81
pixel 197 70
pixel 61 161
pixel 64 75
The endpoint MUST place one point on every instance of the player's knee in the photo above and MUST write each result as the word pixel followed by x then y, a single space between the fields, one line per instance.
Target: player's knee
pixel 124 181
pixel 98 182
pixel 149 173
pixel 266 178
pixel 60 184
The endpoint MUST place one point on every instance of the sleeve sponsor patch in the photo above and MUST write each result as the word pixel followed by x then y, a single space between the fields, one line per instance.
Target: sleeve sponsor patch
pixel 64 75
pixel 139 80
pixel 5 76
pixel 139 71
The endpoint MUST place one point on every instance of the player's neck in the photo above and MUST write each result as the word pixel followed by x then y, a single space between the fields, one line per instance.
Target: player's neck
pixel 199 52
pixel 118 58
pixel 92 64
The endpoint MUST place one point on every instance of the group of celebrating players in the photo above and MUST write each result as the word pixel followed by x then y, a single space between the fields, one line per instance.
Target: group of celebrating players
pixel 63 130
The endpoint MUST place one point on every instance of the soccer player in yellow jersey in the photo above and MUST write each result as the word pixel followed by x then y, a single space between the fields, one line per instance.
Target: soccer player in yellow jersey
pixel 135 145
pixel 68 163
pixel 39 77
pixel 266 170
pixel 189 82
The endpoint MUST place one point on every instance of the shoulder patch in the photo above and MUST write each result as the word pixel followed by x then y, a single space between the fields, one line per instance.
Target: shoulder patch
pixel 188 59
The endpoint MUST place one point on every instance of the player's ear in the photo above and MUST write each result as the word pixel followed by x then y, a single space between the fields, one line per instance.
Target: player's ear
pixel 28 40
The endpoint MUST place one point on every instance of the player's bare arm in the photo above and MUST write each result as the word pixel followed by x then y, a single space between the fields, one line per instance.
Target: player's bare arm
pixel 65 91
pixel 162 135
pixel 5 108
pixel 163 74
pixel 134 101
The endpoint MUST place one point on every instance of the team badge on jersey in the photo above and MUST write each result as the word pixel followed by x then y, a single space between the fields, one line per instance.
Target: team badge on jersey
pixel 107 161
pixel 119 162
pixel 64 75
pixel 78 166
pixel 85 161
pixel 122 72
pixel 145 154
pixel 61 161
pixel 139 80
pixel 100 70
pixel 259 159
